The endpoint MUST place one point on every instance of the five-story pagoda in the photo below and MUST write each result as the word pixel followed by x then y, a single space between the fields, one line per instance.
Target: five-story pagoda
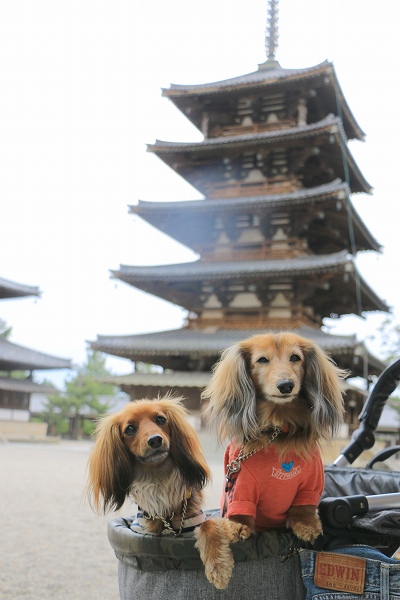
pixel 276 232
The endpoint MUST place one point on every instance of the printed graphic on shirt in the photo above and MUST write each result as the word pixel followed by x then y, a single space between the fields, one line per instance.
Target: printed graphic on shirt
pixel 288 471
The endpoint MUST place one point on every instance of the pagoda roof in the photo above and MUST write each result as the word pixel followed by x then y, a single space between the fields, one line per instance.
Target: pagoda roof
pixel 171 379
pixel 25 385
pixel 299 196
pixel 11 289
pixel 270 75
pixel 330 125
pixel 304 264
pixel 155 212
pixel 162 346
pixel 163 280
pixel 19 358
pixel 217 270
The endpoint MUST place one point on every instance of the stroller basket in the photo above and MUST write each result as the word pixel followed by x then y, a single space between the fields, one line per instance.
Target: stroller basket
pixel 359 506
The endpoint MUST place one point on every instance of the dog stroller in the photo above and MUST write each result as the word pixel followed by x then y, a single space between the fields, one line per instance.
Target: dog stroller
pixel 360 510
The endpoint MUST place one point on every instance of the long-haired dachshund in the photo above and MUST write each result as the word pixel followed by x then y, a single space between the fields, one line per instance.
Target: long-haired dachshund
pixel 275 397
pixel 150 453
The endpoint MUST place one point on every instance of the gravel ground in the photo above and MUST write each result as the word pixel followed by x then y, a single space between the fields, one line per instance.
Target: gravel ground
pixel 52 546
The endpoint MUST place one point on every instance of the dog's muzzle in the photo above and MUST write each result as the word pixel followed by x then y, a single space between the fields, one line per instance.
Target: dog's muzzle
pixel 285 386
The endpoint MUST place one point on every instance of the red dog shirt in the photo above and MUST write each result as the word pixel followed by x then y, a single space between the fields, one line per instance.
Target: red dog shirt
pixel 267 486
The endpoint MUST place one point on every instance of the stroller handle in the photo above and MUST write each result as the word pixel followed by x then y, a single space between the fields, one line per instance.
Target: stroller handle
pixel 340 512
pixel 363 438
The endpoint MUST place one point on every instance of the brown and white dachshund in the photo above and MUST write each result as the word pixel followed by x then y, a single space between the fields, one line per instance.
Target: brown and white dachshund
pixel 150 453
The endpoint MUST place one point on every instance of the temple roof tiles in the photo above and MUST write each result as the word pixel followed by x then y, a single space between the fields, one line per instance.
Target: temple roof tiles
pixel 11 289
pixel 206 342
pixel 14 357
pixel 297 197
pixel 259 77
pixel 171 379
pixel 329 123
pixel 153 211
pixel 268 74
pixel 25 385
pixel 330 126
pixel 162 280
pixel 193 270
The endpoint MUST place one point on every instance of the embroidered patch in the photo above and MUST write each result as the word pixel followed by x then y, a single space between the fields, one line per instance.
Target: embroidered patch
pixel 287 466
pixel 288 474
pixel 340 572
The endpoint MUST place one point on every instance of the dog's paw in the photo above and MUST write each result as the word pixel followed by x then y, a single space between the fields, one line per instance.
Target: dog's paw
pixel 307 530
pixel 305 523
pixel 213 545
pixel 236 532
pixel 219 573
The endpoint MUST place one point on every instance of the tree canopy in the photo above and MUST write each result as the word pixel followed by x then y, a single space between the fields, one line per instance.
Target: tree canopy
pixel 86 395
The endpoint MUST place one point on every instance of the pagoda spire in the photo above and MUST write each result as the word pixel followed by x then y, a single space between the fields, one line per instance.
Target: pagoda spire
pixel 271 35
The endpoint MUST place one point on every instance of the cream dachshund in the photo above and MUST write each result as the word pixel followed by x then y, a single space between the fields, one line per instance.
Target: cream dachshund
pixel 275 397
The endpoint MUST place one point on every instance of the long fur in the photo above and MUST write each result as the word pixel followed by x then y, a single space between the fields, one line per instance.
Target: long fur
pixel 124 464
pixel 277 380
pixel 241 411
pixel 115 465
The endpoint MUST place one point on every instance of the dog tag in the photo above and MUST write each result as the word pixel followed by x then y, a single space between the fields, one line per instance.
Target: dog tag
pixel 234 467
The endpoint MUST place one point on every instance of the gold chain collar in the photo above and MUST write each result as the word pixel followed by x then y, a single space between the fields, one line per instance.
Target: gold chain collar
pixel 167 524
pixel 235 466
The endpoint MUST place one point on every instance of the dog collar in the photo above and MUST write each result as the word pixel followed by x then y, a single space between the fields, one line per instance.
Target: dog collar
pixel 283 429
pixel 186 528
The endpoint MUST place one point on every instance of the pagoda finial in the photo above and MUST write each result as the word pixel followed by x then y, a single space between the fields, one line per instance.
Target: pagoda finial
pixel 271 34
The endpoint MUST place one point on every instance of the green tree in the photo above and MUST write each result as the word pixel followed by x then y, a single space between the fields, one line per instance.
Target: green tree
pixel 389 335
pixel 86 393
pixel 5 330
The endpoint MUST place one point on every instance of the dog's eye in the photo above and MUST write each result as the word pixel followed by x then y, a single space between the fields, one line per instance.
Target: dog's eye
pixel 295 358
pixel 160 420
pixel 262 359
pixel 130 430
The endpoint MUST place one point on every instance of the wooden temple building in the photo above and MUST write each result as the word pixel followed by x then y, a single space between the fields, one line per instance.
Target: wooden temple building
pixel 276 232
pixel 15 392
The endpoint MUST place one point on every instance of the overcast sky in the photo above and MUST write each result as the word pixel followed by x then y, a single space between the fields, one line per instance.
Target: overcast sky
pixel 81 97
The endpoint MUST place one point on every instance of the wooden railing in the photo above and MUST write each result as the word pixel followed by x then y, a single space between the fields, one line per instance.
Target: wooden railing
pixel 234 130
pixel 241 188
pixel 289 248
pixel 261 321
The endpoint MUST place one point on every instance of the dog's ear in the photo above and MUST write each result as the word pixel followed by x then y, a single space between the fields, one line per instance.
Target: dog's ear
pixel 232 397
pixel 111 467
pixel 323 388
pixel 185 447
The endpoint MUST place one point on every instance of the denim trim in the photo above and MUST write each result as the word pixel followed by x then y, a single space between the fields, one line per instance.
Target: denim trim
pixel 382 577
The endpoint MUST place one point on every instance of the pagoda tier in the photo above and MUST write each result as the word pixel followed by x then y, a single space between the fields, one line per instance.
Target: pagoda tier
pixel 197 350
pixel 267 98
pixel 314 220
pixel 276 161
pixel 259 292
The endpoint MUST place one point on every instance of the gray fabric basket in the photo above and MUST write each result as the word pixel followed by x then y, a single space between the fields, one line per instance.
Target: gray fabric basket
pixel 166 567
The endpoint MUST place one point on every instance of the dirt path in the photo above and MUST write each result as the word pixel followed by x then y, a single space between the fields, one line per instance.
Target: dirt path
pixel 52 546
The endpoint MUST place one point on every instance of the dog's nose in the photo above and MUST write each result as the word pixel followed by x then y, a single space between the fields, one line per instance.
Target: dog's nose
pixel 154 441
pixel 285 386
